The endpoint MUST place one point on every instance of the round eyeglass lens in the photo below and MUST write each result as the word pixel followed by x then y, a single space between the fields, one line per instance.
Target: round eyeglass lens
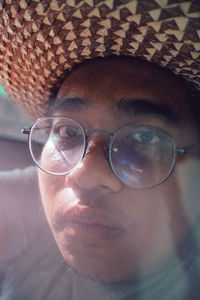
pixel 142 156
pixel 57 144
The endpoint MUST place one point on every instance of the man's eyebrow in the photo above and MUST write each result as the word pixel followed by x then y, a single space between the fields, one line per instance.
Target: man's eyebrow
pixel 68 104
pixel 143 107
pixel 130 107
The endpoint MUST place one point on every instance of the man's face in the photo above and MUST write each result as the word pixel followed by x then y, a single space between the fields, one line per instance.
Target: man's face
pixel 104 229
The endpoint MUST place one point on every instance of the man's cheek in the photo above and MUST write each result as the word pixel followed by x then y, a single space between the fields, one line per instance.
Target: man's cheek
pixel 48 192
pixel 188 173
pixel 55 195
pixel 49 184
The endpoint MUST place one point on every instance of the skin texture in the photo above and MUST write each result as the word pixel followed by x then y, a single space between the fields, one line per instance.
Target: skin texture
pixel 149 224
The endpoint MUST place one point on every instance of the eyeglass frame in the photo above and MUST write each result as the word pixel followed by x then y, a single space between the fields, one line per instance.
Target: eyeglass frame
pixel 28 130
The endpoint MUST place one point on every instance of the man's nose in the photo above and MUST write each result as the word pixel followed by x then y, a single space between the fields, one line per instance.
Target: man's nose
pixel 94 171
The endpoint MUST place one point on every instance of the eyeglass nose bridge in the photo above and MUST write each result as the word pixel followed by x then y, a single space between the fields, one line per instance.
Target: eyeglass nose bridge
pixel 101 131
pixel 104 132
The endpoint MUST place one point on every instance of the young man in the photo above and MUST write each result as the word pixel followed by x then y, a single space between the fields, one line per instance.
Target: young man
pixel 119 172
pixel 100 214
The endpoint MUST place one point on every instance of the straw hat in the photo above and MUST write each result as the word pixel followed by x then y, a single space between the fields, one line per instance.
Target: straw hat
pixel 42 39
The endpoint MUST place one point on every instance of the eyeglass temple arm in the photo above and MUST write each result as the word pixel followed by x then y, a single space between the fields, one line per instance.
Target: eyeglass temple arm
pixel 185 149
pixel 26 130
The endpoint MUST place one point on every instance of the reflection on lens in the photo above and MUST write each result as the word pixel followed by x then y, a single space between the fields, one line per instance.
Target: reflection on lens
pixel 142 156
pixel 57 144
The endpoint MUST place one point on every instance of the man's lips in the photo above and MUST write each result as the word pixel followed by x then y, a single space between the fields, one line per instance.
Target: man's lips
pixel 87 232
pixel 86 223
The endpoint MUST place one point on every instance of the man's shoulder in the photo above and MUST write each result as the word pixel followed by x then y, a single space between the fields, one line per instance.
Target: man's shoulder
pixel 37 271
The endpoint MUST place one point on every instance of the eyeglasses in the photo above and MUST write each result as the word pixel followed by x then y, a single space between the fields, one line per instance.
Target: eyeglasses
pixel 140 156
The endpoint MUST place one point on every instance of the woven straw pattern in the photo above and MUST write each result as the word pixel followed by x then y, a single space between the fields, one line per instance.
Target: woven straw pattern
pixel 40 40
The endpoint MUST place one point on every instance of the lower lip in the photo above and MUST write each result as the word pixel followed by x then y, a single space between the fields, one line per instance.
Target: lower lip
pixel 91 231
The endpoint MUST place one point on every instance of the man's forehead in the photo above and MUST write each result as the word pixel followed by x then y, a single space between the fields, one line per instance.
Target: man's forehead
pixel 127 72
pixel 115 67
pixel 108 81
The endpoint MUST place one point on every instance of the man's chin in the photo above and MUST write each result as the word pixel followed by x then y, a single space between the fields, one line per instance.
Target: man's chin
pixel 99 274
pixel 97 258
pixel 97 268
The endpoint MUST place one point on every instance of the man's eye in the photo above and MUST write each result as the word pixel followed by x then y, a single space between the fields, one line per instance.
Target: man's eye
pixel 146 137
pixel 67 131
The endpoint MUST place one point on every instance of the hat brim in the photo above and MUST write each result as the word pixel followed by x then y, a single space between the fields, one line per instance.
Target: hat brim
pixel 41 40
